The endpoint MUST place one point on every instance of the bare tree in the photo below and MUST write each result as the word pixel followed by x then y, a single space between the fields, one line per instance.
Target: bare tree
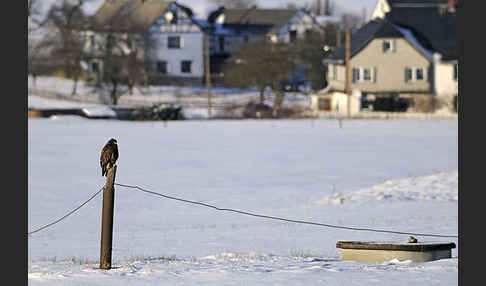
pixel 69 21
pixel 364 15
pixel 122 51
pixel 329 8
pixel 235 4
pixel 33 15
pixel 351 20
pixel 262 64
pixel 312 50
pixel 291 6
pixel 36 42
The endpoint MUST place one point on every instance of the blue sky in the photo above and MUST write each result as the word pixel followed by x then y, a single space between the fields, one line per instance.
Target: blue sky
pixel 202 6
pixel 347 5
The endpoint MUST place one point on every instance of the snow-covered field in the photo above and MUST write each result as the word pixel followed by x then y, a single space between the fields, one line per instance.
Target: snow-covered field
pixel 188 96
pixel 387 174
pixel 53 92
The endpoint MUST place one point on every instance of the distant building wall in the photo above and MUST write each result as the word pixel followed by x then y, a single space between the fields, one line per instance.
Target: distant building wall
pixel 387 68
pixel 445 83
pixel 192 49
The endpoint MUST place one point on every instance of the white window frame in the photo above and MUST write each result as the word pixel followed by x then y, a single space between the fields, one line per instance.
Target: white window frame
pixel 414 74
pixel 181 42
pixel 190 67
pixel 361 74
pixel 392 46
pixel 166 67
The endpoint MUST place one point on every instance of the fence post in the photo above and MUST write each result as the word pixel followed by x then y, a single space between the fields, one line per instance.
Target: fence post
pixel 107 219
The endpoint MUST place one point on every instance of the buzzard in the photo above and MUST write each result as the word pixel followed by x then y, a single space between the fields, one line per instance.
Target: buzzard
pixel 109 155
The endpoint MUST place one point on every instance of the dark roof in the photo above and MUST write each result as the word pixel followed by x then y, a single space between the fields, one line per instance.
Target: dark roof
pixel 215 14
pixel 434 29
pixel 374 29
pixel 276 18
pixel 252 29
pixel 417 2
pixel 428 29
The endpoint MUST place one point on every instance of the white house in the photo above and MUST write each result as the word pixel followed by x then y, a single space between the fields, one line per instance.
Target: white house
pixel 384 6
pixel 232 27
pixel 173 39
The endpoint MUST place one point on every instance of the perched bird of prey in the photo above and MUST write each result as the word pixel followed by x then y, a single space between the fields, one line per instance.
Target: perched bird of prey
pixel 109 155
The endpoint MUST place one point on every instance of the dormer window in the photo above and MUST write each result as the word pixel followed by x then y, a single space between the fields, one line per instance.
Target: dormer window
pixel 388 46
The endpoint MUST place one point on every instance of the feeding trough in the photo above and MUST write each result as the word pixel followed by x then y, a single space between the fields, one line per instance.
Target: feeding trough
pixel 379 252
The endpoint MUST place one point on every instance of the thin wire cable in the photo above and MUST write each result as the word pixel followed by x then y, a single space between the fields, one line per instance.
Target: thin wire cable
pixel 282 219
pixel 66 215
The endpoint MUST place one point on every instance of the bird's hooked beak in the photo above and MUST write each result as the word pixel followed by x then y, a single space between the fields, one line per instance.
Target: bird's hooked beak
pixel 116 142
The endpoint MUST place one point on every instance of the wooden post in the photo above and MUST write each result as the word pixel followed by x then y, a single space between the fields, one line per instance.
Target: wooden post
pixel 107 219
pixel 208 72
pixel 338 37
pixel 348 73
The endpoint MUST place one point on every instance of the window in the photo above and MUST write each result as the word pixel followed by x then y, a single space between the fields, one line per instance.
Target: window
pixel 414 74
pixel 162 67
pixel 363 75
pixel 324 104
pixel 95 67
pixel 92 42
pixel 175 42
pixel 388 46
pixel 408 74
pixel 221 43
pixel 454 76
pixel 174 19
pixel 355 74
pixel 419 74
pixel 366 75
pixel 186 66
pixel 293 36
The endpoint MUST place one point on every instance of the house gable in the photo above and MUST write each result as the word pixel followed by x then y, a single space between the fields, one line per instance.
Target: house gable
pixel 300 23
pixel 388 68
pixel 383 52
pixel 176 18
pixel 176 47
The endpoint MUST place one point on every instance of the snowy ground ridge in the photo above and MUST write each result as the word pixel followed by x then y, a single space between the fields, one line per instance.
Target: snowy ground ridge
pixel 437 187
pixel 216 266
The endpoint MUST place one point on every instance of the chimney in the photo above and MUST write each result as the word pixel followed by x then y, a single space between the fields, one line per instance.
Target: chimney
pixel 452 4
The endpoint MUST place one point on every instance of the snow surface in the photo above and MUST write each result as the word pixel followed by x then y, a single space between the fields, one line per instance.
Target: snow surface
pixel 393 174
pixel 436 187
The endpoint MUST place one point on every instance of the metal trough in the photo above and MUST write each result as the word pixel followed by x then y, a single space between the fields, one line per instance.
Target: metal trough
pixel 379 252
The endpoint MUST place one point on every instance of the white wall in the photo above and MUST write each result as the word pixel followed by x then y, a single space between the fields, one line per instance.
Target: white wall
pixel 445 85
pixel 192 50
pixel 300 23
pixel 339 102
pixel 380 10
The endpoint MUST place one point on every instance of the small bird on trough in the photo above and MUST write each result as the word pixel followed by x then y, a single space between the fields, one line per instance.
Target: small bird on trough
pixel 412 239
pixel 109 155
